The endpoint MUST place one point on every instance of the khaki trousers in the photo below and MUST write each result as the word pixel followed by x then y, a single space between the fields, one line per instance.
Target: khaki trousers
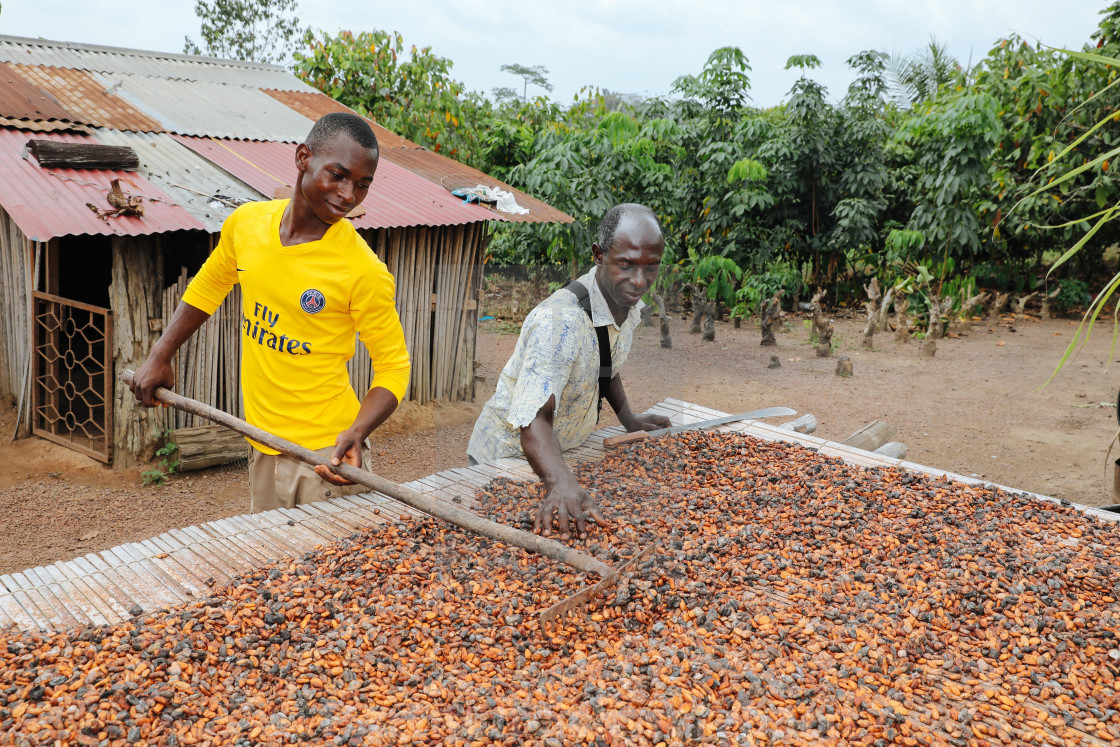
pixel 280 481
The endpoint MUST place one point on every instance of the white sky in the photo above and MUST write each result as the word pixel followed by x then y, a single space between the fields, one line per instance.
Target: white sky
pixel 629 46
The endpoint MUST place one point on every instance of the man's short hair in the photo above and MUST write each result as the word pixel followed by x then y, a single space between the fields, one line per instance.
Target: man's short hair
pixel 332 125
pixel 608 227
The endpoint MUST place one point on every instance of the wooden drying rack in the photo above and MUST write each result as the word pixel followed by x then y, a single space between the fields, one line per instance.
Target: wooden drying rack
pixel 183 565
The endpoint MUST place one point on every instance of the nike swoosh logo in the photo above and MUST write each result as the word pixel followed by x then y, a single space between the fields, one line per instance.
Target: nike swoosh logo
pixel 240 270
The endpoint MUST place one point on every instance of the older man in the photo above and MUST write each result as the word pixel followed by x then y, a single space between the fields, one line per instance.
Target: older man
pixel 549 393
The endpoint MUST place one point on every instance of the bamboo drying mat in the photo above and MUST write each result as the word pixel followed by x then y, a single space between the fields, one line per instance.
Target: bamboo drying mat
pixel 184 564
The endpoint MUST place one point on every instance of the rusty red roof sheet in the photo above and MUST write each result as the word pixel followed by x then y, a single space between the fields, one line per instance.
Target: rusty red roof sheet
pixel 47 203
pixel 88 100
pixel 398 197
pixel 19 99
pixel 451 174
pixel 315 105
pixel 446 172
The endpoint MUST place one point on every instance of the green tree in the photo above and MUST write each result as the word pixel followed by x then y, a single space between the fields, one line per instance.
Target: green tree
pixel 410 92
pixel 253 30
pixel 529 75
pixel 918 77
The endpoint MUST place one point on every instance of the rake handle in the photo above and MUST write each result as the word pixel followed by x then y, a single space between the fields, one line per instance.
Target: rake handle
pixel 450 513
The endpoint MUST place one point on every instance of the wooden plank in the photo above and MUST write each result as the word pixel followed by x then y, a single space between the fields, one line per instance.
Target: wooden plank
pixel 108 581
pixel 347 525
pixel 96 608
pixel 68 614
pixel 94 583
pixel 187 575
pixel 36 604
pixel 254 552
pixel 230 555
pixel 242 557
pixel 322 530
pixel 149 592
pixel 150 582
pixel 361 504
pixel 7 622
pixel 871 436
pixel 279 545
pixel 71 595
pixel 209 552
pixel 204 568
pixel 16 608
pixel 158 568
pixel 275 548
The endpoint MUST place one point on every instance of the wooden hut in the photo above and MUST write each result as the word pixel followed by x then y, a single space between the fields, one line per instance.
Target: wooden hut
pixel 86 289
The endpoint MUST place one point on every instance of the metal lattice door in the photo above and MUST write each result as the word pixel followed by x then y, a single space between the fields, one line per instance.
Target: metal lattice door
pixel 72 387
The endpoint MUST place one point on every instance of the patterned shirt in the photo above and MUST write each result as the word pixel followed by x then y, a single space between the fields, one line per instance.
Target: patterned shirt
pixel 557 354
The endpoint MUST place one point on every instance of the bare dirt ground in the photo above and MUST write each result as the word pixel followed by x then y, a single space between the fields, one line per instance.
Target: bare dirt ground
pixel 975 409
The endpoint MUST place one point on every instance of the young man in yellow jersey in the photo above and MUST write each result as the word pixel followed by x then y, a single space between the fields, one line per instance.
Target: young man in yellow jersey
pixel 308 281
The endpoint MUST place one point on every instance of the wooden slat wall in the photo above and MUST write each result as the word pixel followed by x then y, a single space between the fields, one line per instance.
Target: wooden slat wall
pixel 17 258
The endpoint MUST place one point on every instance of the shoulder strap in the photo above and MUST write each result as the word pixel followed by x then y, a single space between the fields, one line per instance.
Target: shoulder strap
pixel 583 298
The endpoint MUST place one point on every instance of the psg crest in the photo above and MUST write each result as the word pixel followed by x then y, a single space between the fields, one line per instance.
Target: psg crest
pixel 312 301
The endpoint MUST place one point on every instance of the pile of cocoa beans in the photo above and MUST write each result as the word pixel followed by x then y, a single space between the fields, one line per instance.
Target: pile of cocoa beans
pixel 791 599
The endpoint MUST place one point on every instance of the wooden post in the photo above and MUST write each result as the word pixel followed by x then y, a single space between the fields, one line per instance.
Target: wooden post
pixel 135 296
pixel 804 424
pixel 871 436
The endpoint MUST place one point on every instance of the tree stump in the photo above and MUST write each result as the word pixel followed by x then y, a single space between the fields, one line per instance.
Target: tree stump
pixel 774 362
pixel 1046 299
pixel 938 316
pixel 928 348
pixel 818 312
pixel 1021 306
pixel 663 312
pixel 771 313
pixel 872 305
pixel 970 305
pixel 709 334
pixel 824 339
pixel 697 320
pixel 997 307
pixel 697 311
pixel 844 367
pixel 736 322
pixel 902 321
pixel 884 308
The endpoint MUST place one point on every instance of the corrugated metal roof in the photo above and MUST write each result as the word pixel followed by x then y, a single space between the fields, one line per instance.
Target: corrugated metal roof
pixel 209 109
pixel 47 203
pixel 450 174
pixel 188 178
pixel 314 105
pixel 446 172
pixel 21 100
pixel 101 59
pixel 87 99
pixel 398 198
pixel 50 125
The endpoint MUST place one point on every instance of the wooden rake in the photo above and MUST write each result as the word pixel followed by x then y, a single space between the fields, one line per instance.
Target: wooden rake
pixel 550 548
